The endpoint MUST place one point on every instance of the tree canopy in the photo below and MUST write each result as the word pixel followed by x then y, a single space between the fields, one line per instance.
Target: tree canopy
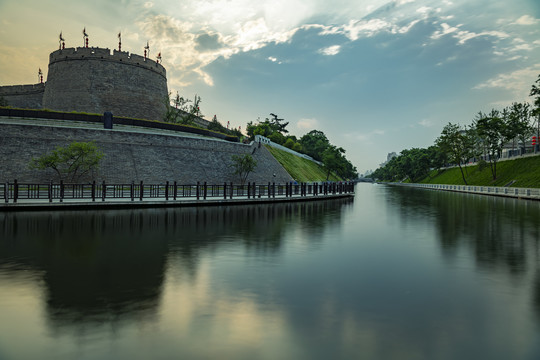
pixel 72 162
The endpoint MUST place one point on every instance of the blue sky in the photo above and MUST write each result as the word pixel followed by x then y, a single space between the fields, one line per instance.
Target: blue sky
pixel 375 76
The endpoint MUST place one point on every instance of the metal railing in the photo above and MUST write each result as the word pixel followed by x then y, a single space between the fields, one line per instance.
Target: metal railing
pixel 168 191
pixel 528 193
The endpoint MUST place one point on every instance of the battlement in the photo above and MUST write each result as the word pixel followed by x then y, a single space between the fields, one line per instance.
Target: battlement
pixel 12 90
pixel 100 54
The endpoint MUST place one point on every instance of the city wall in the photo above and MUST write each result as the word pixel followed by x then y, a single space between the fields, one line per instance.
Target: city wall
pixel 93 80
pixel 24 96
pixel 132 156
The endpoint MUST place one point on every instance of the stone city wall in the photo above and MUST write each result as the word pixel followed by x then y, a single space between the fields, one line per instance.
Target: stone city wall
pixel 23 96
pixel 94 81
pixel 131 156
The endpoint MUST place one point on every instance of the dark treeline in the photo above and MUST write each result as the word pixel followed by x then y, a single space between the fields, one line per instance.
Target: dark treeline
pixel 482 140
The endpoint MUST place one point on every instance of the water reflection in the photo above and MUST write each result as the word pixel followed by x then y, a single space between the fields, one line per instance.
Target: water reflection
pixel 502 234
pixel 108 267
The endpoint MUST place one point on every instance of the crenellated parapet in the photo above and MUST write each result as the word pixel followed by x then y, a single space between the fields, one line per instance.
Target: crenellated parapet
pixel 11 90
pixel 101 54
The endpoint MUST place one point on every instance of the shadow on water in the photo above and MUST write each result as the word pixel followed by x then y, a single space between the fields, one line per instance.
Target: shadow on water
pixel 109 266
pixel 503 234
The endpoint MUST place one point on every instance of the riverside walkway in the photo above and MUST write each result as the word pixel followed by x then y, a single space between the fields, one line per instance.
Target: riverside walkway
pixel 46 197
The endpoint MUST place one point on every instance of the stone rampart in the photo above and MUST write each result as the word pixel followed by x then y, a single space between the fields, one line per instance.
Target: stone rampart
pixel 134 156
pixel 23 96
pixel 93 80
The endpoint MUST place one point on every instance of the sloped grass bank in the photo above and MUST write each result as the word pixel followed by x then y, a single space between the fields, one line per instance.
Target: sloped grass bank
pixel 523 172
pixel 302 170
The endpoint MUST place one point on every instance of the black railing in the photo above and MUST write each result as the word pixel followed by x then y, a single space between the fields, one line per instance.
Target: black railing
pixel 169 191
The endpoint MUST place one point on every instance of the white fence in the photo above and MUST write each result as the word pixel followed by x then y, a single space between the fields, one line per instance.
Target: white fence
pixel 524 193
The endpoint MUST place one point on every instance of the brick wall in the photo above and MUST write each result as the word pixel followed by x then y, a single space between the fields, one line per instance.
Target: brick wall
pixel 131 156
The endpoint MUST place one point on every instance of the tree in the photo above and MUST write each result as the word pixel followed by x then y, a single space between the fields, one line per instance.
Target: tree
pixel 535 91
pixel 333 160
pixel 243 166
pixel 71 163
pixel 3 101
pixel 314 143
pixel 518 124
pixel 491 130
pixel 458 144
pixel 180 111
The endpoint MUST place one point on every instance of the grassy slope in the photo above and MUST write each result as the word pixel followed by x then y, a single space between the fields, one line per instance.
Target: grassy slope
pixel 300 169
pixel 525 172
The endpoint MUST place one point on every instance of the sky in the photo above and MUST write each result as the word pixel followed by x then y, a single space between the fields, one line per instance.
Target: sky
pixel 376 76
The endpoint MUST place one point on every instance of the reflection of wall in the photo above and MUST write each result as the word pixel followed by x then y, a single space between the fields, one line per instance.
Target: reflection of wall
pixel 109 266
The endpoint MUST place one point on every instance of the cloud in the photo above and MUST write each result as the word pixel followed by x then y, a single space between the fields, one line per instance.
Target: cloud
pixel 518 82
pixel 425 123
pixel 307 124
pixel 446 29
pixel 527 20
pixel 331 50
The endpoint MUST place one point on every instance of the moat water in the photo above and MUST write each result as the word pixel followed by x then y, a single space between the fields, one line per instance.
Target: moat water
pixel 393 274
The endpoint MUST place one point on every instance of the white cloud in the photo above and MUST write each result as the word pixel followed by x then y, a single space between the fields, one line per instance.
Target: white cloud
pixel 307 124
pixel 518 82
pixel 527 20
pixel 331 50
pixel 425 123
pixel 148 5
pixel 446 29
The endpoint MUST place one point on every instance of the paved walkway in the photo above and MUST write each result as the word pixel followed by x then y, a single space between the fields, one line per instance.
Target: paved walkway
pixel 116 203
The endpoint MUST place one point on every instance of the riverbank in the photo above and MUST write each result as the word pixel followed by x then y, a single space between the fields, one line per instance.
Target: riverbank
pixel 518 193
pixel 523 172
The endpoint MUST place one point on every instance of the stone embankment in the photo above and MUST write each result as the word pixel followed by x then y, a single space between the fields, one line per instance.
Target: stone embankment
pixel 519 193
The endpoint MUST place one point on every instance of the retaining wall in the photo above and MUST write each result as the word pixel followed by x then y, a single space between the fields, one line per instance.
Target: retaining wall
pixel 134 156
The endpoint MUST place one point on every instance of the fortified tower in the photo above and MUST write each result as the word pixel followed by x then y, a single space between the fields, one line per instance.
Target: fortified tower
pixel 93 80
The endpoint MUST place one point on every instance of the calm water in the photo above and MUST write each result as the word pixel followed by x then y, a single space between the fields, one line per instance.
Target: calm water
pixel 394 274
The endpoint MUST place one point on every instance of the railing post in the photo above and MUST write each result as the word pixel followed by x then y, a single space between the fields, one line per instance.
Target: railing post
pixel 6 192
pixel 61 190
pixel 49 190
pixel 249 190
pixel 175 190
pixel 274 190
pixel 224 190
pixel 197 190
pixel 15 190
pixel 205 189
pixel 93 192
pixel 132 190
pixel 141 191
pixel 166 190
pixel 103 191
pixel 232 189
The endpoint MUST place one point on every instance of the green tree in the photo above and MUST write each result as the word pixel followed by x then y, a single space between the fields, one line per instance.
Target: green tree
pixel 180 111
pixel 289 143
pixel 518 123
pixel 535 92
pixel 70 163
pixel 458 144
pixel 491 130
pixel 3 101
pixel 314 143
pixel 333 160
pixel 243 166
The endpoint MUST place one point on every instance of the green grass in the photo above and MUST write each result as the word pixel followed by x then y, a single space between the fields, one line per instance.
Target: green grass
pixel 524 171
pixel 302 170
